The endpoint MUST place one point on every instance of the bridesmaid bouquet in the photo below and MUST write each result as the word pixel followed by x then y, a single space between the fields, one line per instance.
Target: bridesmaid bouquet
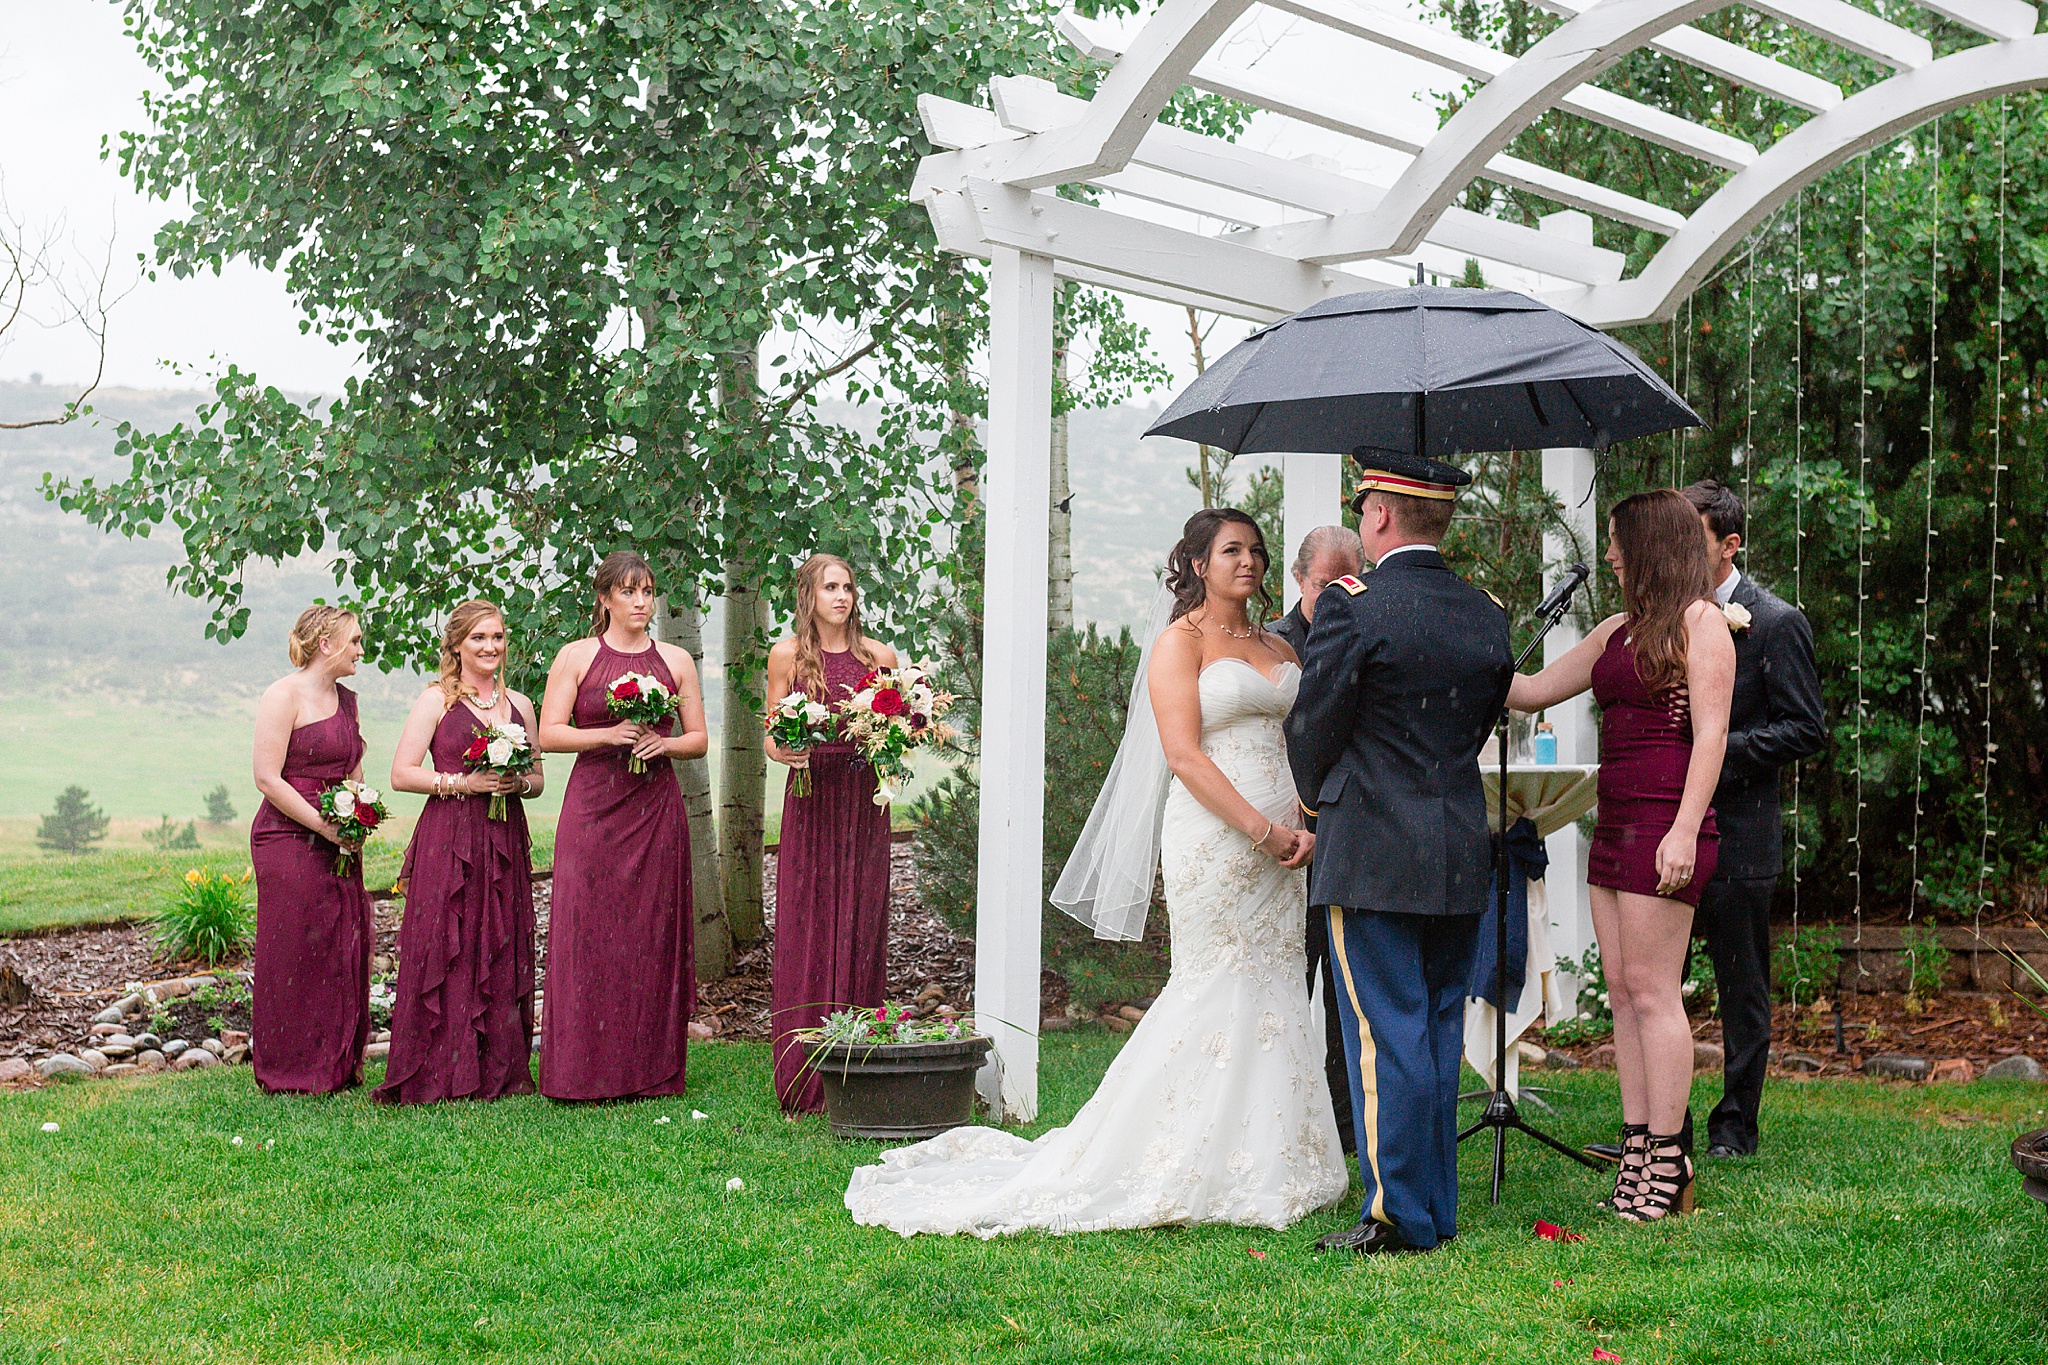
pixel 893 711
pixel 642 699
pixel 501 747
pixel 356 810
pixel 798 722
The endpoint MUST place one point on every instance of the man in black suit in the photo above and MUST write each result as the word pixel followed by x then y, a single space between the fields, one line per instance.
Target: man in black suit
pixel 1405 673
pixel 1773 720
pixel 1327 553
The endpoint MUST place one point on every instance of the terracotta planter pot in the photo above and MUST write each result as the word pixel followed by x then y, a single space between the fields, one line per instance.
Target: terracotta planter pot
pixel 2030 1158
pixel 895 1091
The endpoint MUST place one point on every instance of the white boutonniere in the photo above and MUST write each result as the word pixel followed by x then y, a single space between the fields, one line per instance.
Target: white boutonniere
pixel 1738 617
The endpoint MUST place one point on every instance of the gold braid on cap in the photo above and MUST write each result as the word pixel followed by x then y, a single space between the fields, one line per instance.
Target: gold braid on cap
pixel 1394 483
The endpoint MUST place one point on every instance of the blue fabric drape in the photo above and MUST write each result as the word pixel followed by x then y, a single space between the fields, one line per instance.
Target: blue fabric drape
pixel 1527 861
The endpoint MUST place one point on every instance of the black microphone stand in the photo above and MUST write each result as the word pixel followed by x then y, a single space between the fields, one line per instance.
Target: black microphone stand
pixel 1501 1114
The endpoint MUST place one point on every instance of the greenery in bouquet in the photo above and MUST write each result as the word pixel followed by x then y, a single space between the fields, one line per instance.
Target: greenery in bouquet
pixel 798 722
pixel 208 919
pixel 642 699
pixel 499 748
pixel 893 711
pixel 356 809
pixel 885 1024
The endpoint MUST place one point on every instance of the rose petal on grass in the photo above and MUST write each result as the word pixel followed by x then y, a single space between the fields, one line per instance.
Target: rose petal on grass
pixel 735 1185
pixel 698 1116
pixel 50 1127
pixel 1602 1353
pixel 235 1141
pixel 1551 1232
pixel 1255 1253
pixel 663 1119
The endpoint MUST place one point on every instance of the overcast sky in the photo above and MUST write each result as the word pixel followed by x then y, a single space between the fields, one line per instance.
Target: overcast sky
pixel 69 77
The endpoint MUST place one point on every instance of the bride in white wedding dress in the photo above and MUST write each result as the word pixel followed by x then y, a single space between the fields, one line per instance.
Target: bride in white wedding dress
pixel 1216 1110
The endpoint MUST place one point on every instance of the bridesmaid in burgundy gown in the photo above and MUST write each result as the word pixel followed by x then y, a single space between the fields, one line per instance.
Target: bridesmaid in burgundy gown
pixel 462 1025
pixel 832 873
pixel 1663 674
pixel 621 982
pixel 314 928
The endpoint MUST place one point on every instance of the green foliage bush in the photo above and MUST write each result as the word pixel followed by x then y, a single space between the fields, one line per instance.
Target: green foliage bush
pixel 220 806
pixel 1926 957
pixel 74 825
pixel 208 919
pixel 1806 963
pixel 169 838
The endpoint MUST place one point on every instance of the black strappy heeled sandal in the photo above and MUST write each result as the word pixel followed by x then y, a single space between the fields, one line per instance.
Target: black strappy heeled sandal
pixel 1635 1143
pixel 1665 1185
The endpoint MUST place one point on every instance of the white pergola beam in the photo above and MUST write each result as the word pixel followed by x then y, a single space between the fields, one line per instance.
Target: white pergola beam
pixel 1858 30
pixel 1732 62
pixel 1582 194
pixel 2000 19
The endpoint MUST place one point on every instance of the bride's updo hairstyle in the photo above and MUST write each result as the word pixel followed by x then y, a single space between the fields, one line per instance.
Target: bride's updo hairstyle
pixel 1184 566
pixel 314 625
pixel 620 569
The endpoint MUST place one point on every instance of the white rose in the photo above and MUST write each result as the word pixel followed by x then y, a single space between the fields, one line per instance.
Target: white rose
pixel 793 701
pixel 816 713
pixel 344 804
pixel 1738 616
pixel 499 753
pixel 367 795
pixel 514 733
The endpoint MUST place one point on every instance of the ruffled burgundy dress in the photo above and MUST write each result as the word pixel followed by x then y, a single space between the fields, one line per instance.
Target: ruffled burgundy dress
pixel 1645 748
pixel 831 897
pixel 462 1023
pixel 621 977
pixel 314 927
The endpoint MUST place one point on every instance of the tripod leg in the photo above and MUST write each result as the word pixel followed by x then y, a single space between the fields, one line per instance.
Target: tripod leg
pixel 1547 1140
pixel 1500 1160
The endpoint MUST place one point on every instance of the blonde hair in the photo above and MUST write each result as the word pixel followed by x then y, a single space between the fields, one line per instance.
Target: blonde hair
pixel 809 673
pixel 621 568
pixel 460 622
pixel 314 625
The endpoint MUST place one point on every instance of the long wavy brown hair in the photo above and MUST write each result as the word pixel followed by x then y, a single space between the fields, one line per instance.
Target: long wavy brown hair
pixel 809 673
pixel 461 622
pixel 621 568
pixel 1664 571
pixel 1197 538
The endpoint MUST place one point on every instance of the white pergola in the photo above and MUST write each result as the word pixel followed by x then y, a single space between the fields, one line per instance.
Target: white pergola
pixel 1196 220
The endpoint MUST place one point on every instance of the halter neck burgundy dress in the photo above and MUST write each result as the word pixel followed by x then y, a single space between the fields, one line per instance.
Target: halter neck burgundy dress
pixel 621 977
pixel 314 927
pixel 1645 748
pixel 831 897
pixel 462 1023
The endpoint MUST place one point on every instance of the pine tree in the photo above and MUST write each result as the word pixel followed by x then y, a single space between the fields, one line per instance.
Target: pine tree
pixel 75 825
pixel 220 808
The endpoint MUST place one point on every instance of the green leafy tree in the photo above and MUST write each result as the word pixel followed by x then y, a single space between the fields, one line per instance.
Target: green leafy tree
pixel 167 836
pixel 220 806
pixel 74 825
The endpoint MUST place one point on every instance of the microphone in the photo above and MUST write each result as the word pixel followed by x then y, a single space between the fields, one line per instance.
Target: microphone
pixel 1561 595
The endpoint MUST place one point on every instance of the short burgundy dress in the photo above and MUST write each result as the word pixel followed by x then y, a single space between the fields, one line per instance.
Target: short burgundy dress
pixel 831 898
pixel 621 977
pixel 462 1023
pixel 314 927
pixel 1645 748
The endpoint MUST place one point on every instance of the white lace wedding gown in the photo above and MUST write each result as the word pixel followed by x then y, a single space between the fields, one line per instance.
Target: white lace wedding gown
pixel 1216 1110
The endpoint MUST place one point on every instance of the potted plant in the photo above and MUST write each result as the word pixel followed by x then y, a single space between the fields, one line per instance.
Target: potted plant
pixel 890 1075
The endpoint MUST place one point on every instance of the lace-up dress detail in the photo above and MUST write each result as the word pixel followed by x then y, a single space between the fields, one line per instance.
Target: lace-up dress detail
pixel 1216 1110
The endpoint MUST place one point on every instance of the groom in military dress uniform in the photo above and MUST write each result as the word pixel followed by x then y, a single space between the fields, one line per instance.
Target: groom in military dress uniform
pixel 1405 672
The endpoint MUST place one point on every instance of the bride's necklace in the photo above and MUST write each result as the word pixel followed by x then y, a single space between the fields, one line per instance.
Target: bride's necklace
pixel 1246 634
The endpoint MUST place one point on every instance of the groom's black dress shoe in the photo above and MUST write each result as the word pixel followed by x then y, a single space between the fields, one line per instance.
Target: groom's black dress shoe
pixel 1367 1239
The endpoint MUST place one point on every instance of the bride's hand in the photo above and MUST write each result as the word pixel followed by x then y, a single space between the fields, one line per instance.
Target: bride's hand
pixel 1304 849
pixel 1278 843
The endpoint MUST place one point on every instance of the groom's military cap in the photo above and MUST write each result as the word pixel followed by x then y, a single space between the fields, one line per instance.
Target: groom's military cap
pixel 1414 476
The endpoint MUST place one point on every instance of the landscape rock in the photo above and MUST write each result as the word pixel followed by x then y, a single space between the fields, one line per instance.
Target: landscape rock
pixel 381 1036
pixel 1130 1012
pixel 1957 1070
pixel 14 1069
pixel 121 1069
pixel 147 1042
pixel 931 995
pixel 96 1059
pixel 1530 1053
pixel 1800 1061
pixel 1894 1066
pixel 117 1040
pixel 110 1015
pixel 119 1052
pixel 1055 1023
pixel 2020 1068
pixel 235 1055
pixel 105 1030
pixel 151 1059
pixel 127 1004
pixel 212 1045
pixel 231 1038
pixel 1708 1056
pixel 1116 1023
pixel 177 1048
pixel 195 1059
pixel 1602 1057
pixel 64 1064
pixel 377 1052
pixel 173 990
pixel 1561 1061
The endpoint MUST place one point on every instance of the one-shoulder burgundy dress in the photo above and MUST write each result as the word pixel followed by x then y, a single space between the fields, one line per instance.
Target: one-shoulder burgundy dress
pixel 621 977
pixel 831 897
pixel 314 927
pixel 462 1023
pixel 1645 748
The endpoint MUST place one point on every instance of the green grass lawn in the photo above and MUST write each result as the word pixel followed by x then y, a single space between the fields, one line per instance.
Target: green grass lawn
pixel 1883 1224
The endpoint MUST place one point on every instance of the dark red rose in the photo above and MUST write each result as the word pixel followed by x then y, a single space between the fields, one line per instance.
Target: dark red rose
pixel 865 679
pixel 478 747
pixel 918 720
pixel 366 815
pixel 625 689
pixel 888 702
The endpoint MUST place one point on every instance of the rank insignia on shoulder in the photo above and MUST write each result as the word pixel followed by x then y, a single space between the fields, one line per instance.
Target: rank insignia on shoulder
pixel 1351 583
pixel 1496 601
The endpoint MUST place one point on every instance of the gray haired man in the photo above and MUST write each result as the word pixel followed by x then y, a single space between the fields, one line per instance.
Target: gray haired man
pixel 1326 554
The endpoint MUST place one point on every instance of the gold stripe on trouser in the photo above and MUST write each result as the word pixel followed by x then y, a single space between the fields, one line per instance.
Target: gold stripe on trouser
pixel 1368 1057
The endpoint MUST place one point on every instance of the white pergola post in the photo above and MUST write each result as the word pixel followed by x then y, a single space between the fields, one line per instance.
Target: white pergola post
pixel 1009 894
pixel 1568 477
pixel 1311 495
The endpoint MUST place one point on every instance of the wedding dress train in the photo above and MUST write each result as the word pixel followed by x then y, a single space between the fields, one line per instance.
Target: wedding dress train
pixel 1216 1110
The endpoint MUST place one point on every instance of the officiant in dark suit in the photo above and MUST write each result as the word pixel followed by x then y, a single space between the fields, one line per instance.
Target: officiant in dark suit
pixel 1405 672
pixel 1327 554
pixel 1774 720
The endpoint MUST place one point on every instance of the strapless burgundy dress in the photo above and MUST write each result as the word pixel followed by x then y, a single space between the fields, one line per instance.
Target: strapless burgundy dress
pixel 831 898
pixel 1645 748
pixel 314 927
pixel 462 1023
pixel 621 977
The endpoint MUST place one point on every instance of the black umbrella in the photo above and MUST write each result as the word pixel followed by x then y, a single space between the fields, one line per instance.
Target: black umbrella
pixel 1431 371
